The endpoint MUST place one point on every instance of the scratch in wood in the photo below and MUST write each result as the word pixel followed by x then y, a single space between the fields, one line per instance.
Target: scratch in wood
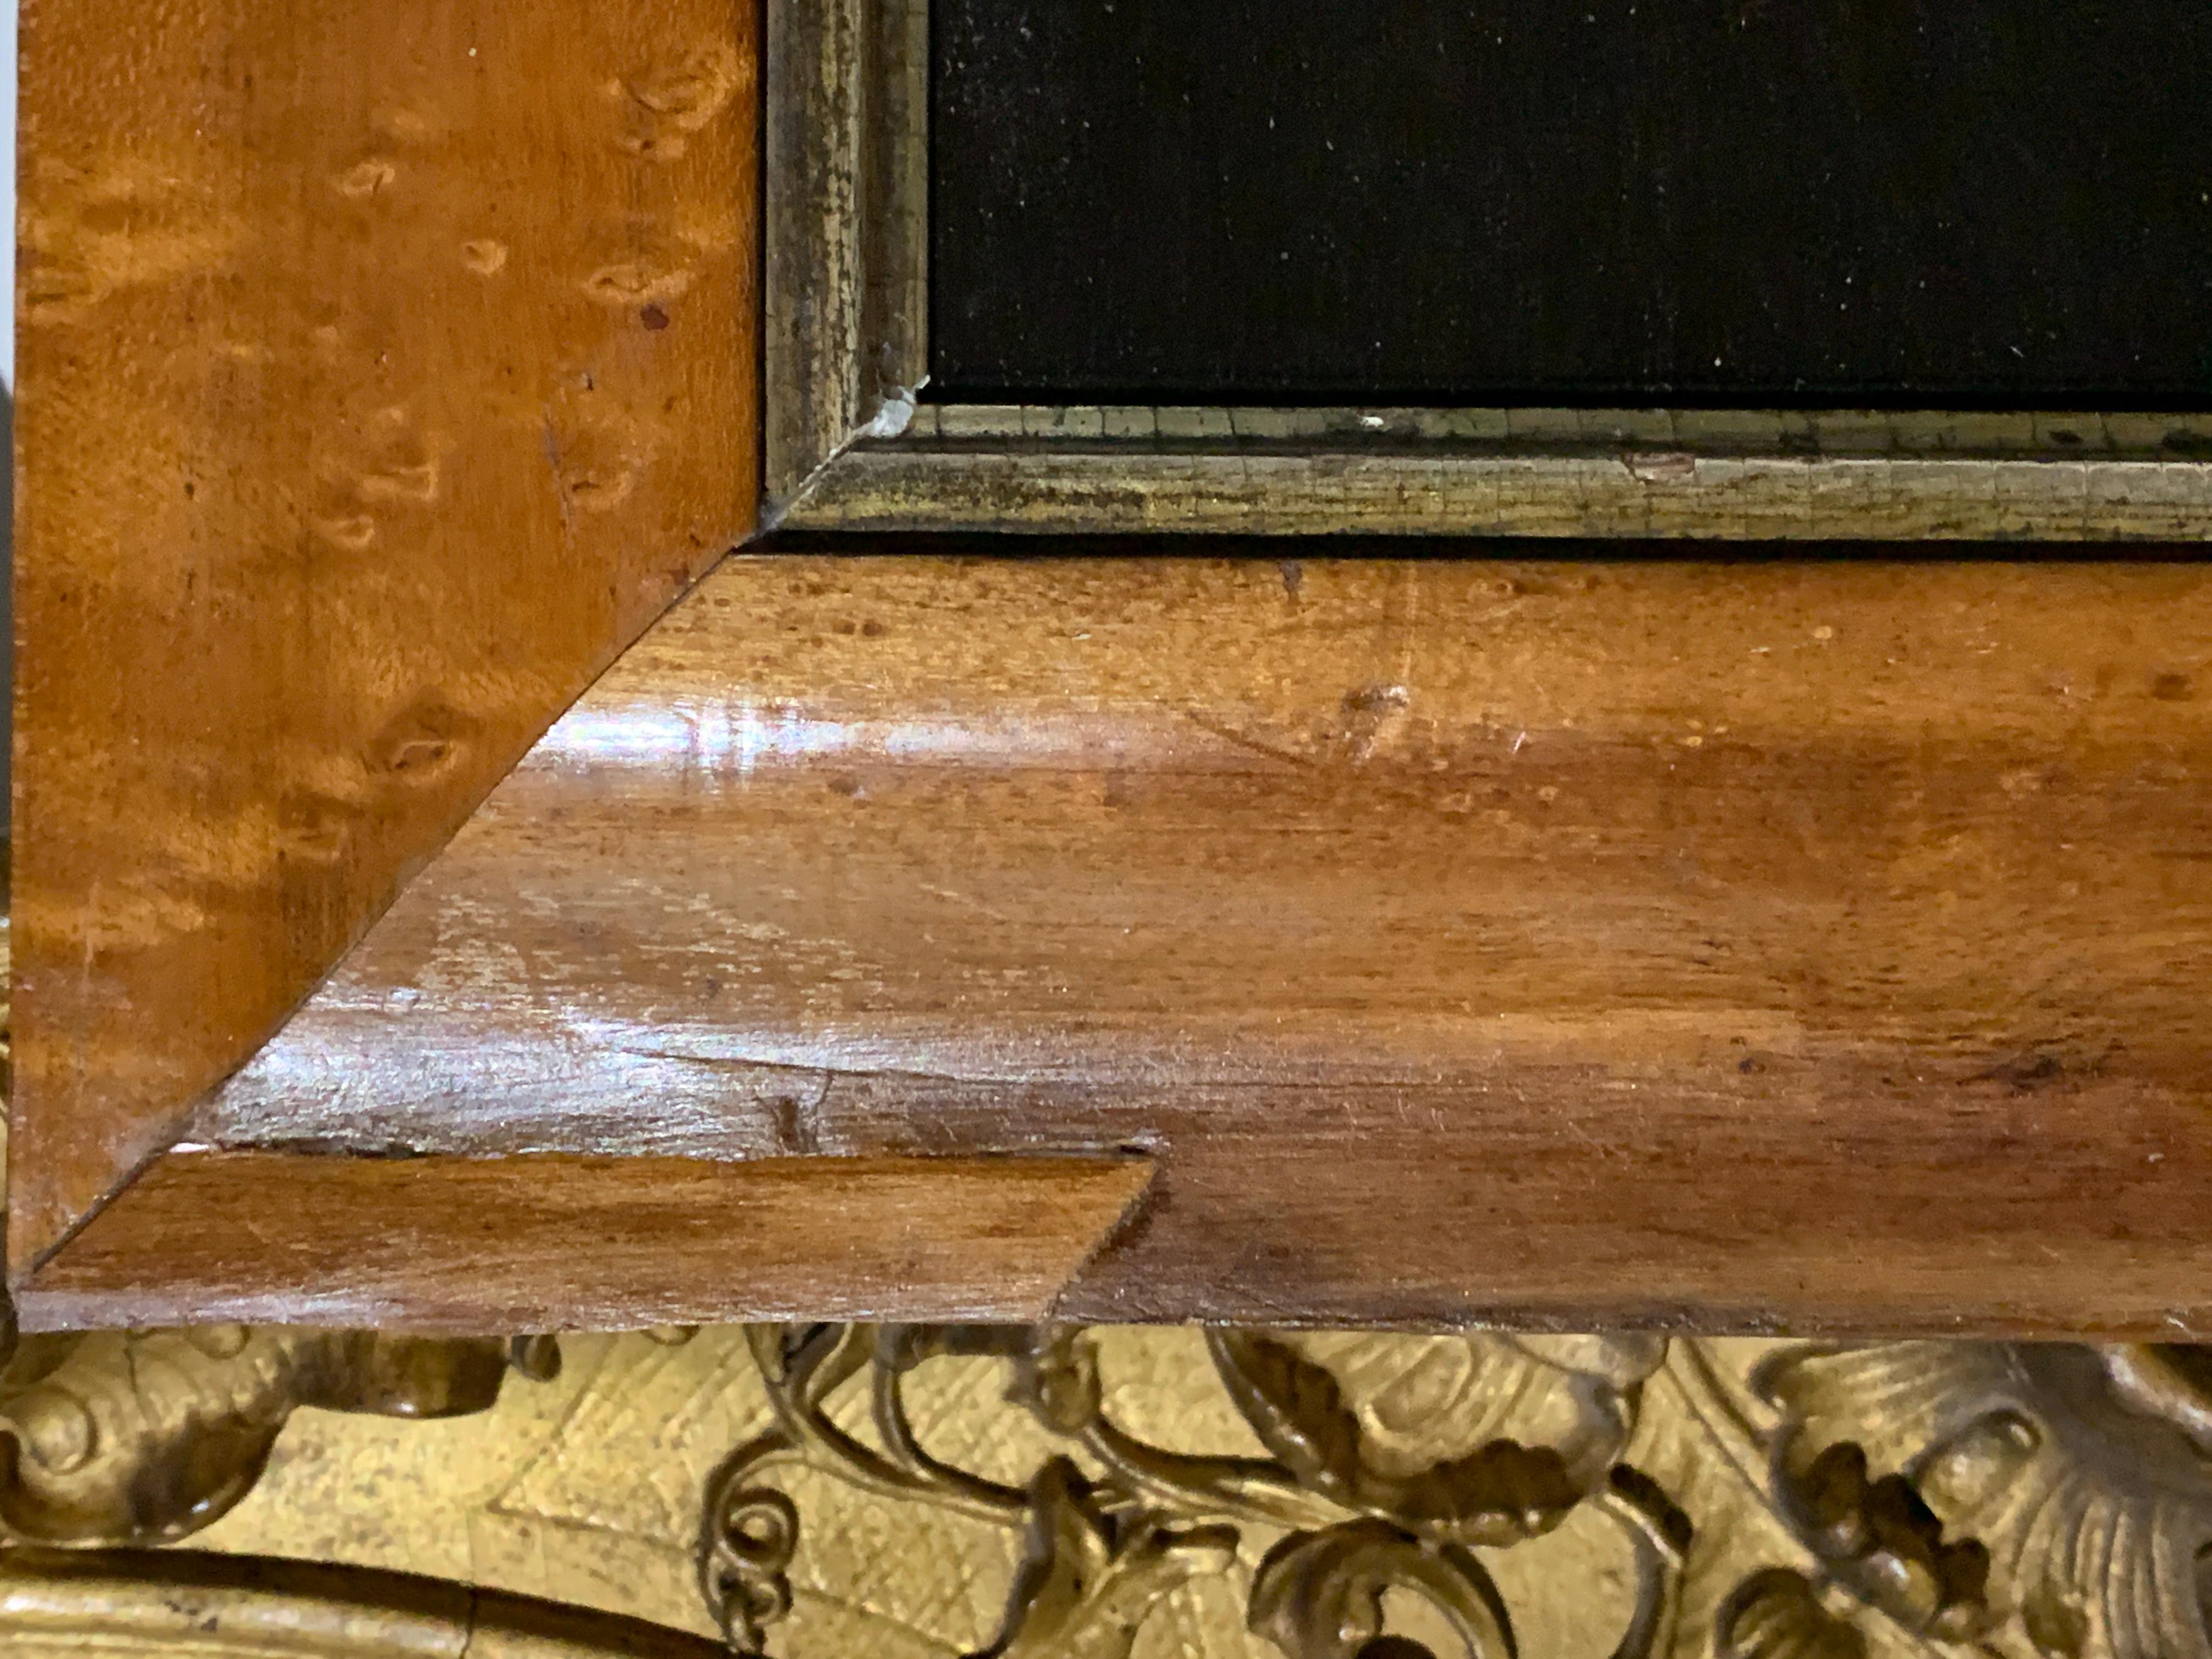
pixel 1409 646
pixel 1229 734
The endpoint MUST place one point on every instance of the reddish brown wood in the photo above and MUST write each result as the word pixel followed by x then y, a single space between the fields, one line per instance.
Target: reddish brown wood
pixel 545 1242
pixel 1748 945
pixel 385 365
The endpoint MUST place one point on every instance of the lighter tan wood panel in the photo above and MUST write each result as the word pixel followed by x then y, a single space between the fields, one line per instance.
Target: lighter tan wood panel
pixel 385 367
pixel 462 1246
pixel 1743 944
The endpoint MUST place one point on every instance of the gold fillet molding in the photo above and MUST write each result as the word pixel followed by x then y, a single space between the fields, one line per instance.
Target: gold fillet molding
pixel 850 446
pixel 1115 1493
pixel 186 1605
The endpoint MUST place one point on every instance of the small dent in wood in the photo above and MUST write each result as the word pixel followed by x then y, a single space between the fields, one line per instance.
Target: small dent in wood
pixel 134 222
pixel 596 454
pixel 351 531
pixel 636 282
pixel 407 125
pixel 367 179
pixel 1374 714
pixel 421 741
pixel 313 827
pixel 383 460
pixel 677 95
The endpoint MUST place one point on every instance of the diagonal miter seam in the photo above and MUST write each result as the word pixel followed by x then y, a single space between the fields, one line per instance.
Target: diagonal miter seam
pixel 893 415
pixel 1133 1221
pixel 167 1139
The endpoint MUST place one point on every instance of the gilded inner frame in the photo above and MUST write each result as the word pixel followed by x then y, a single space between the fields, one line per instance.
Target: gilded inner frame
pixel 851 445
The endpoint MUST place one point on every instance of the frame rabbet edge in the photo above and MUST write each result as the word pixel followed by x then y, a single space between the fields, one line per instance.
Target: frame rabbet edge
pixel 850 446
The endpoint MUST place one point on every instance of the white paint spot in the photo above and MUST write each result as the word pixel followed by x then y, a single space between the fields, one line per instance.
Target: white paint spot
pixel 893 420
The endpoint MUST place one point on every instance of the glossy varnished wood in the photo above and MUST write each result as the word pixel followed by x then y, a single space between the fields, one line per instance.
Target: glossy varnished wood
pixel 552 1241
pixel 384 368
pixel 1751 944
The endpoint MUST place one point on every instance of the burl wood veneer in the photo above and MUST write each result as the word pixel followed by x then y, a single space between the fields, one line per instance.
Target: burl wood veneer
pixel 385 365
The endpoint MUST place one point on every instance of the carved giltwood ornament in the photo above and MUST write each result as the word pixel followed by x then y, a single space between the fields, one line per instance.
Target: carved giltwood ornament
pixel 1317 1495
pixel 184 1605
pixel 119 1437
pixel 1387 1465
pixel 1777 1501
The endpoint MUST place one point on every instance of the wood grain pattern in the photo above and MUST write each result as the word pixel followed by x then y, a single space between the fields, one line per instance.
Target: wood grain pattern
pixel 385 367
pixel 1754 945
pixel 466 1245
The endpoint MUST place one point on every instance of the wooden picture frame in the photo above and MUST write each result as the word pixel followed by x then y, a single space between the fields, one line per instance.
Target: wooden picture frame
pixel 1693 941
pixel 383 372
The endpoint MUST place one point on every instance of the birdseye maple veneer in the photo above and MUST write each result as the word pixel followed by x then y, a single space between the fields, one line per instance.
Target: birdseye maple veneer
pixel 451 894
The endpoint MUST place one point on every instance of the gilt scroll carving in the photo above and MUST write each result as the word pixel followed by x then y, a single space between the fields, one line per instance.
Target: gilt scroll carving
pixel 1112 1493
pixel 1775 1501
pixel 143 1437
